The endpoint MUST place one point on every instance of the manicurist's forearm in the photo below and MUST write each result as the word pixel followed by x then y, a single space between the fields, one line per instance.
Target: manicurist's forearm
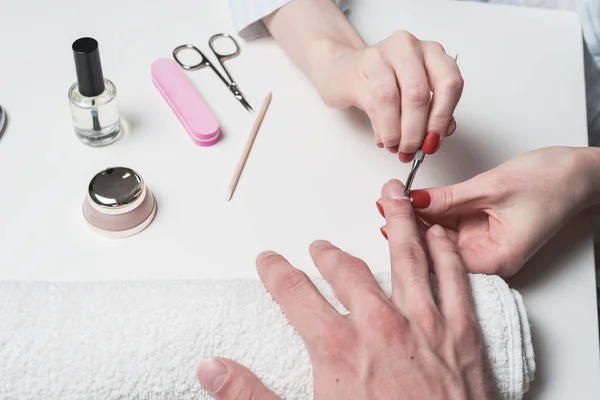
pixel 311 32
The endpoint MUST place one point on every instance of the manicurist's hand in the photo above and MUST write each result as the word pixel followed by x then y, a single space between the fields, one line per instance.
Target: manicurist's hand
pixel 500 218
pixel 408 346
pixel 391 81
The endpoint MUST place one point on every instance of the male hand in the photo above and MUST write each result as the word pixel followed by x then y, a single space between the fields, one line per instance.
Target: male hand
pixel 408 346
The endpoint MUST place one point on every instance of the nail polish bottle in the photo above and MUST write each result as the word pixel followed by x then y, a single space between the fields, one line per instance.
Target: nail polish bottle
pixel 93 98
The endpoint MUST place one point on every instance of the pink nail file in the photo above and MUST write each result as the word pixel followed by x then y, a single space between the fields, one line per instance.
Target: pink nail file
pixel 185 101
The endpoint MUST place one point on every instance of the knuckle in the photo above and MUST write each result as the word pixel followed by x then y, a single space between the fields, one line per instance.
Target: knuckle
pixel 354 268
pixel 435 46
pixel 445 199
pixel 412 252
pixel 385 94
pixel 405 37
pixel 292 281
pixel 417 94
pixel 398 213
pixel 427 319
pixel 440 120
pixel 385 322
pixel 454 83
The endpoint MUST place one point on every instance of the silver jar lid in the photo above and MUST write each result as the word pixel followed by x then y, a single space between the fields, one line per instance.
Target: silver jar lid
pixel 116 187
pixel 118 203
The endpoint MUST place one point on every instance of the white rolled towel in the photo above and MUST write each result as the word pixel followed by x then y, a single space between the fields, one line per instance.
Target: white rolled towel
pixel 142 340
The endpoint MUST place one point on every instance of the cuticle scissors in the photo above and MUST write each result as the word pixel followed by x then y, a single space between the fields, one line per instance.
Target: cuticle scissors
pixel 204 62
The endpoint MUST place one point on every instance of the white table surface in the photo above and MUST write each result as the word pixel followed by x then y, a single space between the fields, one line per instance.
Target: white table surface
pixel 313 173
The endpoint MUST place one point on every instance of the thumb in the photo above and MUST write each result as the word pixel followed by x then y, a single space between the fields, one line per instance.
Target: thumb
pixel 226 379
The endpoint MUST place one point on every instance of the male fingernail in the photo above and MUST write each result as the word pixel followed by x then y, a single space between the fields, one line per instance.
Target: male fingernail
pixel 380 145
pixel 394 190
pixel 380 208
pixel 406 157
pixel 420 198
pixel 211 374
pixel 437 231
pixel 430 143
pixel 265 253
pixel 383 231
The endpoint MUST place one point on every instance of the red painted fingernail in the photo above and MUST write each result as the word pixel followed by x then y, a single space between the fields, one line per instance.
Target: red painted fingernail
pixel 406 157
pixel 380 145
pixel 419 198
pixel 383 232
pixel 380 207
pixel 393 149
pixel 431 143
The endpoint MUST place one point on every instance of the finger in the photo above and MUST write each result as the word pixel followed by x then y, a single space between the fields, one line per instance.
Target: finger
pixel 406 157
pixel 423 228
pixel 380 207
pixel 422 225
pixel 454 293
pixel 404 53
pixel 306 309
pixel 444 205
pixel 228 380
pixel 447 85
pixel 452 127
pixel 377 139
pixel 349 277
pixel 409 269
pixel 383 231
pixel 383 100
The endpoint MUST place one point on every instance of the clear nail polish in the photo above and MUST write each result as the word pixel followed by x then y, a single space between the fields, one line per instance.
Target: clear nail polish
pixel 93 98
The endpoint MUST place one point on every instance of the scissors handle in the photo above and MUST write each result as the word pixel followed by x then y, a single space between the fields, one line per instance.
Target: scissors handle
pixel 201 64
pixel 221 56
pixel 224 57
pixel 204 62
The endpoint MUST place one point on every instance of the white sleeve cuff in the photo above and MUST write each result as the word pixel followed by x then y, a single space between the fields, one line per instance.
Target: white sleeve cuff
pixel 247 15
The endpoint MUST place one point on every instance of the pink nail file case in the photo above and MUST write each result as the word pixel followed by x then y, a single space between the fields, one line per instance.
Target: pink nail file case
pixel 185 101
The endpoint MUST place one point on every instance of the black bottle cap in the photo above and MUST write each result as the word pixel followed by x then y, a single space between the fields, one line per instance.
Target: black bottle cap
pixel 88 66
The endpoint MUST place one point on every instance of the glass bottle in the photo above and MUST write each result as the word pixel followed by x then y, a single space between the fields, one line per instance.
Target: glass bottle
pixel 93 98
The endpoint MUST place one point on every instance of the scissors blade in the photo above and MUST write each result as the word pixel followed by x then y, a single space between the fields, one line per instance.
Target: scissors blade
pixel 238 95
pixel 244 103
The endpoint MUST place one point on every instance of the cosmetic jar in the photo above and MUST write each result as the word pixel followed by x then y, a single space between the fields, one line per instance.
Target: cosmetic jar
pixel 118 203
